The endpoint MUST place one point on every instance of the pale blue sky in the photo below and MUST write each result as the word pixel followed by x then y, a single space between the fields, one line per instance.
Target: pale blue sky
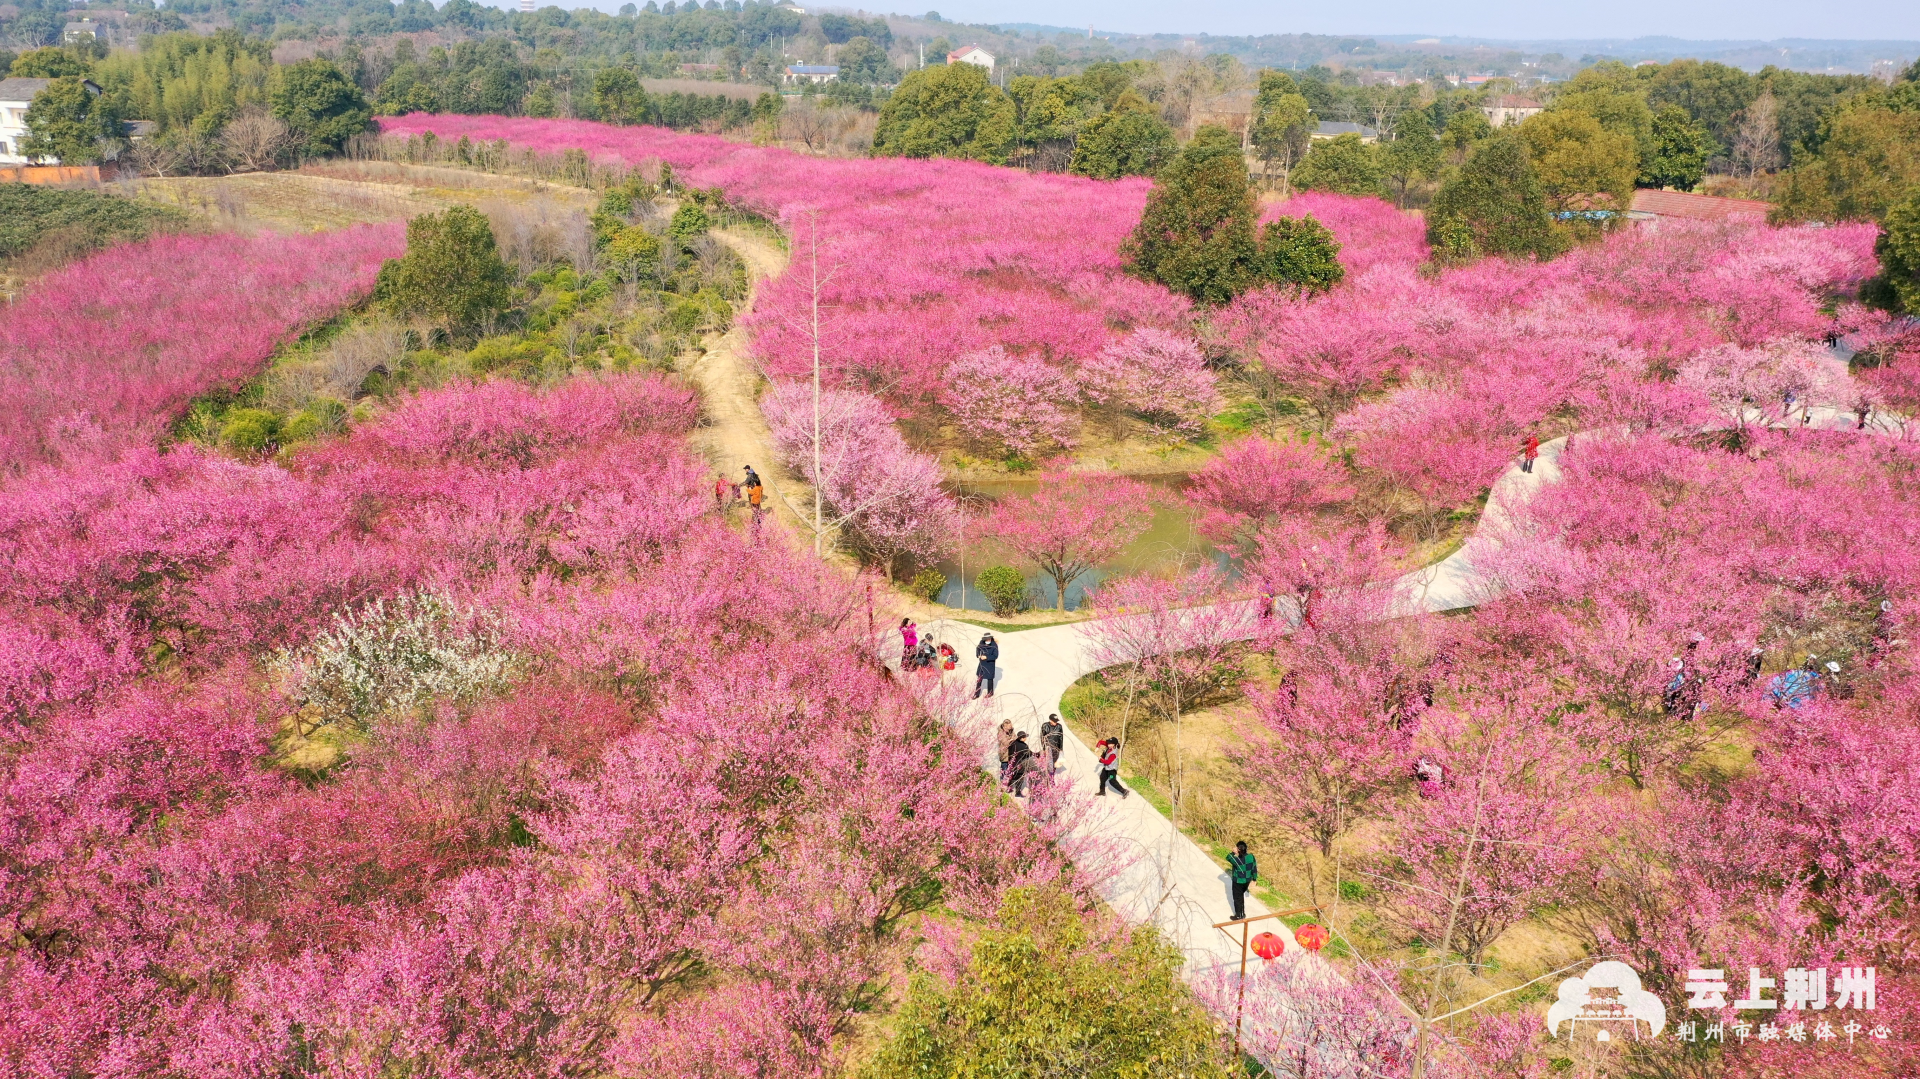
pixel 1508 19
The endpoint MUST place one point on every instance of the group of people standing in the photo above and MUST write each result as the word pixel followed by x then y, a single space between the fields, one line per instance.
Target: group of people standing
pixel 1020 765
pixel 749 489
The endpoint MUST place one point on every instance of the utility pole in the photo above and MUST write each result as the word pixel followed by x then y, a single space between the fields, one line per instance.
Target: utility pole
pixel 819 522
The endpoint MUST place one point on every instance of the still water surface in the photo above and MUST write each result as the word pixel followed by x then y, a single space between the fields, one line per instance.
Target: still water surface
pixel 1170 540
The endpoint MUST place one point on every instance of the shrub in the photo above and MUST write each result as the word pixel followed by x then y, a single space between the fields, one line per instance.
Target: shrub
pixel 1004 588
pixel 688 221
pixel 250 429
pixel 927 584
pixel 29 212
pixel 451 272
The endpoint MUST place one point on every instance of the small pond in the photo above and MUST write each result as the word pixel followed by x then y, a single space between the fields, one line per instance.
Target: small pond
pixel 1171 539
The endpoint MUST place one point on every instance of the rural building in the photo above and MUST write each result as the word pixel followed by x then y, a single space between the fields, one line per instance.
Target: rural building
pixel 1653 205
pixel 971 54
pixel 1511 109
pixel 15 96
pixel 84 30
pixel 797 73
pixel 1333 129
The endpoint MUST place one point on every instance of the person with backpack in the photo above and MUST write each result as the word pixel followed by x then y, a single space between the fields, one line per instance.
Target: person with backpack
pixel 988 653
pixel 1110 769
pixel 1053 741
pixel 1243 870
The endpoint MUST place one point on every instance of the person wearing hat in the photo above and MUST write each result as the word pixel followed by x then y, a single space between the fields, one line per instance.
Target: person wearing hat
pixel 988 653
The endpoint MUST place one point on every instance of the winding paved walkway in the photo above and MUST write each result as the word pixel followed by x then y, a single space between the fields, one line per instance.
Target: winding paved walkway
pixel 1174 884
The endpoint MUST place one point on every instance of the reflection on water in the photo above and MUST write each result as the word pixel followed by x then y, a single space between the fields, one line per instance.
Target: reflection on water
pixel 1169 540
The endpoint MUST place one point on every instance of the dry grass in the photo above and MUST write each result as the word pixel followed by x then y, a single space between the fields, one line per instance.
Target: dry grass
pixel 339 193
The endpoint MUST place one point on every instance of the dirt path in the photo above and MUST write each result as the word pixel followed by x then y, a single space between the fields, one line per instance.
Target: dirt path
pixel 736 435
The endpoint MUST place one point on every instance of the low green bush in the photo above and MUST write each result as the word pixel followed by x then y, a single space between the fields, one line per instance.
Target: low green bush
pixel 250 429
pixel 927 584
pixel 1004 587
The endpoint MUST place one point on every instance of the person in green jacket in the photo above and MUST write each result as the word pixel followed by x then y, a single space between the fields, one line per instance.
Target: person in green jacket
pixel 1245 871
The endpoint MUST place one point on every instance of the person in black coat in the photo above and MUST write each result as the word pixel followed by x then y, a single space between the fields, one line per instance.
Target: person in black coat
pixel 988 653
pixel 1053 741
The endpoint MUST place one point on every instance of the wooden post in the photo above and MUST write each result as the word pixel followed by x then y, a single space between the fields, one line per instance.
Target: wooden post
pixel 1246 930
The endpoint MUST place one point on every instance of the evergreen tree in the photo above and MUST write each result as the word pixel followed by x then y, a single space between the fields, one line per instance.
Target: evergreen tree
pixel 1196 235
pixel 618 97
pixel 1412 156
pixel 70 123
pixel 1129 139
pixel 1044 996
pixel 946 111
pixel 1681 148
pixel 1300 251
pixel 1898 286
pixel 1344 165
pixel 1282 125
pixel 451 272
pixel 319 104
pixel 1494 206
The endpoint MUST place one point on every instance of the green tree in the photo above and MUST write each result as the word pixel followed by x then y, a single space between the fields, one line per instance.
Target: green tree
pixel 1048 116
pixel 1044 995
pixel 1578 159
pixel 633 253
pixel 322 107
pixel 618 97
pixel 542 101
pixel 1129 139
pixel 1465 130
pixel 1300 251
pixel 1681 147
pixel 1898 286
pixel 950 110
pixel 864 62
pixel 1412 156
pixel 688 221
pixel 69 122
pixel 1196 234
pixel 1868 159
pixel 1609 92
pixel 1495 205
pixel 1282 125
pixel 451 272
pixel 1344 165
pixel 51 62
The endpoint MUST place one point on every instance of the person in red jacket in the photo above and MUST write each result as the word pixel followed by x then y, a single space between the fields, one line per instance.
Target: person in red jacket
pixel 1530 453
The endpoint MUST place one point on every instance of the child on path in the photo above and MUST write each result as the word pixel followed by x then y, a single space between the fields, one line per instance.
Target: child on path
pixel 1244 870
pixel 1110 769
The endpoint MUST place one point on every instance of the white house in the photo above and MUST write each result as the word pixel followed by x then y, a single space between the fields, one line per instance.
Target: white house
pixel 797 73
pixel 972 54
pixel 1511 109
pixel 15 96
pixel 1333 129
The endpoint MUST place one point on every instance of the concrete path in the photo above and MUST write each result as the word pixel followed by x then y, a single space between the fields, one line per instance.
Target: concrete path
pixel 1173 883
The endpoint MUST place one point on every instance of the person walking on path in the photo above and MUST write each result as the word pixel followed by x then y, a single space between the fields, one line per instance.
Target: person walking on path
pixel 988 653
pixel 756 491
pixel 1244 870
pixel 909 640
pixel 1530 453
pixel 1053 740
pixel 1110 769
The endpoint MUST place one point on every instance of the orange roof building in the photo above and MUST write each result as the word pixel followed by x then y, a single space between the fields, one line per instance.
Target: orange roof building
pixel 1650 204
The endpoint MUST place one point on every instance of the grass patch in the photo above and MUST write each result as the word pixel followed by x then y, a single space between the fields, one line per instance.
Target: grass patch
pixel 1013 627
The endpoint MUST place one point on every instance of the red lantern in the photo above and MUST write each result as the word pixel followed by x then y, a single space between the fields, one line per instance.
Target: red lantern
pixel 1268 946
pixel 1312 937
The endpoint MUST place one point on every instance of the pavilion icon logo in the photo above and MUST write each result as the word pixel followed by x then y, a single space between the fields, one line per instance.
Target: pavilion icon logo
pixel 1607 998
